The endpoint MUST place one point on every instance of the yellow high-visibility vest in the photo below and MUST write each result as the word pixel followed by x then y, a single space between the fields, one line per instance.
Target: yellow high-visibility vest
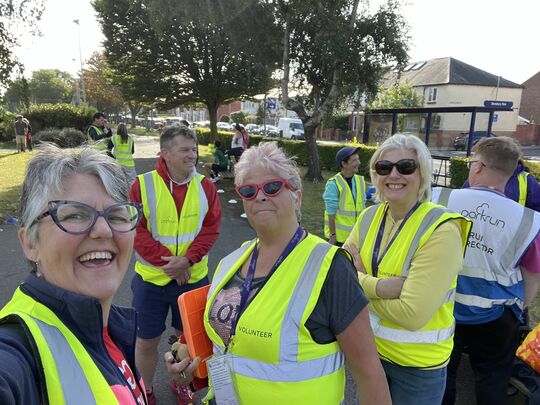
pixel 63 357
pixel 175 232
pixel 348 208
pixel 275 359
pixel 431 345
pixel 100 144
pixel 122 151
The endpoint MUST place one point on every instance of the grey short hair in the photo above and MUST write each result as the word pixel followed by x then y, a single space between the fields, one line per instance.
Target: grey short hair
pixel 166 139
pixel 268 156
pixel 47 171
pixel 423 158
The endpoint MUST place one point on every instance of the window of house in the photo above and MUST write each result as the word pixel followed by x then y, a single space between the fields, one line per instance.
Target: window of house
pixel 411 123
pixel 432 95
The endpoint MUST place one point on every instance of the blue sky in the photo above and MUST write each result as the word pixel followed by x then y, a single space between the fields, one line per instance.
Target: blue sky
pixel 498 36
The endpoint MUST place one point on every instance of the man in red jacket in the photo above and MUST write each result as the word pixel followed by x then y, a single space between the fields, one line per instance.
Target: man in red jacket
pixel 182 215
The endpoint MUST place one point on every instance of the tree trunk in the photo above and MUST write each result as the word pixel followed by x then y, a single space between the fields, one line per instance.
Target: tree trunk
pixel 314 166
pixel 212 113
pixel 134 110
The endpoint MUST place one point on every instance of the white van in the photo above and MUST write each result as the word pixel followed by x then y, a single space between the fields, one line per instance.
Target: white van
pixel 291 128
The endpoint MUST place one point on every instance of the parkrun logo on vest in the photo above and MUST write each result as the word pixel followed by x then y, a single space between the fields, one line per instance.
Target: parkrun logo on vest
pixel 480 215
pixel 168 221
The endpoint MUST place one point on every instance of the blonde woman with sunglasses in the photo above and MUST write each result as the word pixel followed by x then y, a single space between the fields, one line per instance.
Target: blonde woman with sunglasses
pixel 408 252
pixel 286 310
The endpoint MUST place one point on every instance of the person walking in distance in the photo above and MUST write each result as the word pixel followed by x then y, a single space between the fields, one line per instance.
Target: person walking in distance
pixel 123 150
pixel 180 224
pixel 20 133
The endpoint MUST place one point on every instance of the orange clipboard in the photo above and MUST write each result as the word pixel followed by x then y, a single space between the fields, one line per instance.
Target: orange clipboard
pixel 192 305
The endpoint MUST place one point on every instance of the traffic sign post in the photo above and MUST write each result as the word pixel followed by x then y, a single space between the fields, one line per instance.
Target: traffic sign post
pixel 271 103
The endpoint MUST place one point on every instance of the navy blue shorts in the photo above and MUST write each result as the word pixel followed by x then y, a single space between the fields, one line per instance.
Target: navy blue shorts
pixel 152 303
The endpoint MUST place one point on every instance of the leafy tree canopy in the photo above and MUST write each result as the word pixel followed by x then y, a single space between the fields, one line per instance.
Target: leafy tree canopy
pixel 332 49
pixel 45 86
pixel 50 86
pixel 99 87
pixel 399 95
pixel 173 55
pixel 17 18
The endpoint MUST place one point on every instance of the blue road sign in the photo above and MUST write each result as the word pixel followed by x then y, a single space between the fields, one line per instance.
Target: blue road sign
pixel 271 103
pixel 498 104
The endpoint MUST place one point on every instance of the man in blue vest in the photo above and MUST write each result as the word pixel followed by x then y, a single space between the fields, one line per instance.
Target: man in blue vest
pixel 180 224
pixel 501 270
pixel 344 197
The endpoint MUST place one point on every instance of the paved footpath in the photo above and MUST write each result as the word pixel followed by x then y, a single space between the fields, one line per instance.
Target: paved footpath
pixel 234 231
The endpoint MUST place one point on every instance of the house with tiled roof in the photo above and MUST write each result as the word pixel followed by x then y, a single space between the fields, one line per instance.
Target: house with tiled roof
pixel 448 82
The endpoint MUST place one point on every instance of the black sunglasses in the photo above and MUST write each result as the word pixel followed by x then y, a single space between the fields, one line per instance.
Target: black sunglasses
pixel 270 188
pixel 403 166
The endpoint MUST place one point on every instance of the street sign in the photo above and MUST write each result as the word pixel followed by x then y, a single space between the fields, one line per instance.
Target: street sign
pixel 498 104
pixel 495 118
pixel 271 103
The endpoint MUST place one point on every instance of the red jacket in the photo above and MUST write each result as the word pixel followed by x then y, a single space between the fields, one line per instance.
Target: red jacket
pixel 152 250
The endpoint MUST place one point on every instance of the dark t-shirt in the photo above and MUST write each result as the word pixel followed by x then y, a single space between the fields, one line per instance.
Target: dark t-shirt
pixel 340 301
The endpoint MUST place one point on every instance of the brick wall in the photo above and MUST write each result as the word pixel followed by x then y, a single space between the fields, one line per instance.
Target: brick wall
pixel 530 99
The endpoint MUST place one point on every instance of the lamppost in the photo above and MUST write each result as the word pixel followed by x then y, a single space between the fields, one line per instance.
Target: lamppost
pixel 77 91
pixel 83 84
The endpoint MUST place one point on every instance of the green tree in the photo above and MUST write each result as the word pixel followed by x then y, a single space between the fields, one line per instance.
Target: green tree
pixel 399 95
pixel 17 96
pixel 100 90
pixel 51 86
pixel 16 17
pixel 332 49
pixel 178 54
pixel 238 117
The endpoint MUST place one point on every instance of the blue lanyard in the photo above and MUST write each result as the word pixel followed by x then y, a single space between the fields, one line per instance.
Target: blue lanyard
pixel 375 260
pixel 251 273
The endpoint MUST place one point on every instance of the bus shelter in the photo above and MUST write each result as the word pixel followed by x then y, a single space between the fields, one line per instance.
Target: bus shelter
pixel 429 113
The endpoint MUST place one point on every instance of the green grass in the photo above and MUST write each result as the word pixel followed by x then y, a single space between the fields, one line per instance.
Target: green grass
pixel 12 168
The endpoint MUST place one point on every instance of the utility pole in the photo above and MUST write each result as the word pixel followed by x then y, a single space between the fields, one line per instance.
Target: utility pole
pixel 83 84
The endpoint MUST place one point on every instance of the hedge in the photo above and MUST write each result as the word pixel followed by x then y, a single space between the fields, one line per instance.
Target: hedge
pixel 59 116
pixel 7 120
pixel 327 153
pixel 64 138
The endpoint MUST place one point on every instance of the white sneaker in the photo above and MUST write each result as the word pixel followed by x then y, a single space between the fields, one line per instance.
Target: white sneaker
pixel 215 179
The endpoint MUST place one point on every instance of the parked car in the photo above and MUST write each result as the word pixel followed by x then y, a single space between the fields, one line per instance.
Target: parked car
pixel 460 142
pixel 252 128
pixel 224 126
pixel 271 131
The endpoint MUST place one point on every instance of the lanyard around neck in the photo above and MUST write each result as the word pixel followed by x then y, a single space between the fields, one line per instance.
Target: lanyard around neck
pixel 248 281
pixel 375 259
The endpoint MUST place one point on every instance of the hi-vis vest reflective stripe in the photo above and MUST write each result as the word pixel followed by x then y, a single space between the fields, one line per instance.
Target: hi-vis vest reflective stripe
pixel 282 364
pixel 491 275
pixel 348 208
pixel 175 232
pixel 431 345
pixel 71 376
pixel 122 151
pixel 101 144
pixel 522 185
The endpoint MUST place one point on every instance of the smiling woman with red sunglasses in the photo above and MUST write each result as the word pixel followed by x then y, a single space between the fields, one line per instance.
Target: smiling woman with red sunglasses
pixel 286 310
pixel 408 252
